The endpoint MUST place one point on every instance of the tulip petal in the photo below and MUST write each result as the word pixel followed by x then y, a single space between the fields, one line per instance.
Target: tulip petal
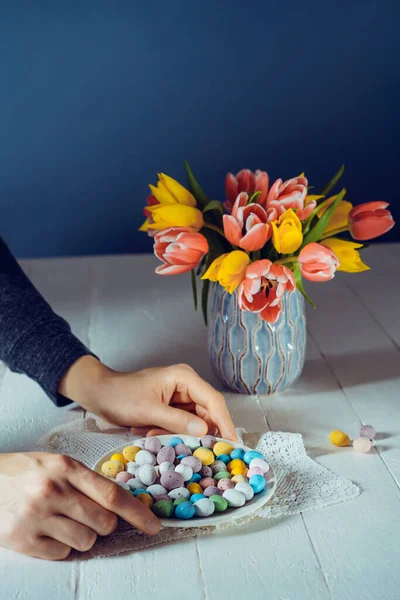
pixel 173 269
pixel 232 230
pixel 256 238
pixel 368 206
pixel 270 314
pixel 246 181
pixel 273 192
pixel 180 194
pixel 371 226
pixel 261 185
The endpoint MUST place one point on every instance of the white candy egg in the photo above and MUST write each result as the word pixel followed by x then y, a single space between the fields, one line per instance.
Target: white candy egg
pixel 123 485
pixel 259 463
pixel 165 467
pixel 245 489
pixel 135 484
pixel 180 492
pixel 204 507
pixel 139 443
pixel 147 474
pixel 144 457
pixel 192 442
pixel 185 471
pixel 234 498
pixel 132 467
pixel 156 490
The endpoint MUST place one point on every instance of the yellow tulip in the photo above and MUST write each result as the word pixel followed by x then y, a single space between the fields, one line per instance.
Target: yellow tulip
pixel 340 217
pixel 287 235
pixel 229 270
pixel 173 215
pixel 347 254
pixel 170 191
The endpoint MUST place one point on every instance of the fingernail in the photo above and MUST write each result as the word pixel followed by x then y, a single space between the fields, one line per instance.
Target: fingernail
pixel 195 428
pixel 153 526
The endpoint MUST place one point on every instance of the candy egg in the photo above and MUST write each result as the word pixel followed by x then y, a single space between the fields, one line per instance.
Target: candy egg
pixel 152 444
pixel 212 491
pixel 192 442
pixel 165 467
pixel 208 441
pixel 123 476
pixel 135 484
pixel 239 471
pixel 166 454
pixel 185 471
pixel 119 457
pixel 193 462
pixel 254 471
pixel 147 474
pixel 163 509
pixel 144 457
pixel 206 482
pixel 185 510
pixel 339 438
pixel 205 471
pixel 145 499
pixel 245 489
pixel 225 458
pixel 111 468
pixel 179 501
pixel 237 453
pixel 180 492
pixel 194 488
pixel 248 457
pixel 171 480
pixel 235 463
pixel 257 482
pixel 163 497
pixel 196 497
pixel 222 475
pixel 124 485
pixel 234 498
pixel 130 452
pixel 139 491
pixel 156 490
pixel 259 463
pixel 367 431
pixel 195 478
pixel 218 466
pixel 220 504
pixel 175 441
pixel 205 455
pixel 362 444
pixel 140 443
pixel 182 450
pixel 223 448
pixel 239 478
pixel 225 484
pixel 132 467
pixel 204 507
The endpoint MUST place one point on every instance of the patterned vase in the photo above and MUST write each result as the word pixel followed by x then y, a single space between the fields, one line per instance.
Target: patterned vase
pixel 251 356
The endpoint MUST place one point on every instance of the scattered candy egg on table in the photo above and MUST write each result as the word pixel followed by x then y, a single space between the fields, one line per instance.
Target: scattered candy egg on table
pixel 362 444
pixel 339 438
pixel 130 452
pixel 367 431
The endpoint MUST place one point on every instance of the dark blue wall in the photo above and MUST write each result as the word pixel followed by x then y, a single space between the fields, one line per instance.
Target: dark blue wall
pixel 97 97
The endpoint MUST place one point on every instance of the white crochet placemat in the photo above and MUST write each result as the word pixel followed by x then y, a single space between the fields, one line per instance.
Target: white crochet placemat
pixel 302 483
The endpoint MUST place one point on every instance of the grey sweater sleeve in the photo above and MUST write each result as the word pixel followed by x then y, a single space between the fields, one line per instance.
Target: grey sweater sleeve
pixel 33 339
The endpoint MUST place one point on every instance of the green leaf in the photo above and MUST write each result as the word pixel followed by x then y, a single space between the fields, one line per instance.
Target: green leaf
pixel 332 182
pixel 195 188
pixel 299 284
pixel 253 198
pixel 194 288
pixel 214 205
pixel 204 299
pixel 316 233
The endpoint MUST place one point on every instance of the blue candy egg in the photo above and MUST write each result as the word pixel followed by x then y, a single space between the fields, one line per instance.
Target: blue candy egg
pixel 181 456
pixel 237 453
pixel 225 458
pixel 175 441
pixel 196 497
pixel 140 491
pixel 195 478
pixel 257 482
pixel 248 457
pixel 185 510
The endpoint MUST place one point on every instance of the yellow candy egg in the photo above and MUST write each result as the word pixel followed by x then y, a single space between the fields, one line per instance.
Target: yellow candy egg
pixel 194 488
pixel 239 470
pixel 205 456
pixel 130 453
pixel 119 457
pixel 223 448
pixel 339 438
pixel 239 479
pixel 145 499
pixel 111 468
pixel 236 463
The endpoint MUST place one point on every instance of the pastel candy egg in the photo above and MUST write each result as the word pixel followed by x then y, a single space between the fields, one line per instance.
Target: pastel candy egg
pixel 124 485
pixel 367 431
pixel 185 471
pixel 165 467
pixel 206 482
pixel 223 448
pixel 362 444
pixel 175 441
pixel 234 498
pixel 132 467
pixel 204 507
pixel 139 491
pixel 205 455
pixel 182 450
pixel 195 497
pixel 195 478
pixel 171 480
pixel 193 462
pixel 180 492
pixel 156 490
pixel 123 476
pixel 166 454
pixel 220 504
pixel 225 484
pixel 144 457
pixel 254 471
pixel 239 478
pixel 152 444
pixel 212 491
pixel 135 484
pixel 225 458
pixel 163 497
pixel 339 438
pixel 206 471
pixel 185 510
pixel 259 463
pixel 140 443
pixel 111 468
pixel 147 474
pixel 257 482
pixel 239 471
pixel 217 466
pixel 245 489
pixel 163 509
pixel 222 475
pixel 233 464
pixel 237 453
pixel 248 457
pixel 194 488
pixel 145 499
pixel 208 441
pixel 192 442
pixel 119 457
pixel 179 501
pixel 130 452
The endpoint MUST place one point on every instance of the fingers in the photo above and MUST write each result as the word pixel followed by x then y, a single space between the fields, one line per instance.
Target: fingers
pixel 70 533
pixel 49 549
pixel 178 421
pixel 81 509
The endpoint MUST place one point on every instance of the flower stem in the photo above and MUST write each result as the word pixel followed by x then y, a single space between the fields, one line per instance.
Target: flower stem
pixel 214 228
pixel 335 232
pixel 286 261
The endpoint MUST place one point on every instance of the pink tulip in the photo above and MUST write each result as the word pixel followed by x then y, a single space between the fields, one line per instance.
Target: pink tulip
pixel 180 249
pixel 247 226
pixel 369 220
pixel 289 194
pixel 263 288
pixel 317 262
pixel 246 181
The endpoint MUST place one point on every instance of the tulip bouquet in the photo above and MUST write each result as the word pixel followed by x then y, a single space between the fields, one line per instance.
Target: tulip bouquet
pixel 263 239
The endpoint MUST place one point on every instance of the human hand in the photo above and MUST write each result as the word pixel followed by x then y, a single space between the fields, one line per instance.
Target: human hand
pixel 158 400
pixel 50 504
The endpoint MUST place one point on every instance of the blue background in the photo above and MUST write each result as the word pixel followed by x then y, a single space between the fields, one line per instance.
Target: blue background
pixel 97 97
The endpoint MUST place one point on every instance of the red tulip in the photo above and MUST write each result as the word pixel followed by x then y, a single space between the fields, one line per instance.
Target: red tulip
pixel 247 226
pixel 246 181
pixel 370 220
pixel 180 249
pixel 289 194
pixel 318 263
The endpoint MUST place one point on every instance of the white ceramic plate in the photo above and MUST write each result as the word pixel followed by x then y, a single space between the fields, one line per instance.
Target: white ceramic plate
pixel 217 518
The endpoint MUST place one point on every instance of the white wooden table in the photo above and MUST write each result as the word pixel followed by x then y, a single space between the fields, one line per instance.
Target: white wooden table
pixel 352 376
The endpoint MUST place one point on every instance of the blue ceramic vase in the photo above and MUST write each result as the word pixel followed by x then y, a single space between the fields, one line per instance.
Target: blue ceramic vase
pixel 250 356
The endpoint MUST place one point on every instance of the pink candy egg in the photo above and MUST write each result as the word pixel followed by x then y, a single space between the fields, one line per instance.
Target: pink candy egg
pixel 192 461
pixel 171 480
pixel 208 441
pixel 225 484
pixel 207 482
pixel 205 471
pixel 362 444
pixel 254 471
pixel 212 491
pixel 367 431
pixel 152 444
pixel 124 476
pixel 182 449
pixel 166 454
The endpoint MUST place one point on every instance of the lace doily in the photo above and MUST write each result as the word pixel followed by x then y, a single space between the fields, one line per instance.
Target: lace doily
pixel 302 483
